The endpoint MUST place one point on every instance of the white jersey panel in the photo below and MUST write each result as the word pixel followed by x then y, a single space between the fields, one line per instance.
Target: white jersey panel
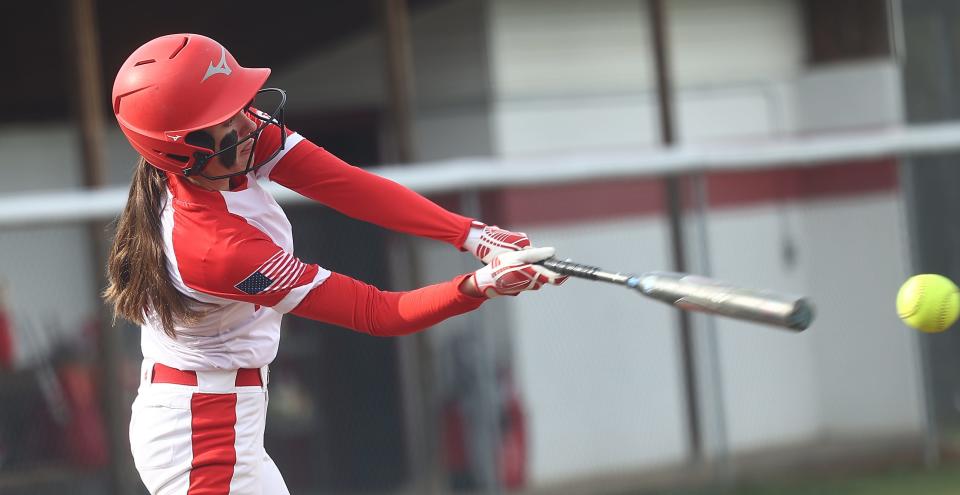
pixel 232 334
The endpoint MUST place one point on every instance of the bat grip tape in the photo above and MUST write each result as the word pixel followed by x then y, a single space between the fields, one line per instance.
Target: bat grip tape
pixel 570 268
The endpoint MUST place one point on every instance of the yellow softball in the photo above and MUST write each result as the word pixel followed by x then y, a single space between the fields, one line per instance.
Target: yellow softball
pixel 928 302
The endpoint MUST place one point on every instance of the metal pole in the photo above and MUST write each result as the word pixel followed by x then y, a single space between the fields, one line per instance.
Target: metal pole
pixel 674 199
pixel 399 72
pixel 922 343
pixel 710 381
pixel 89 85
pixel 90 104
pixel 910 189
pixel 416 360
pixel 661 61
pixel 484 434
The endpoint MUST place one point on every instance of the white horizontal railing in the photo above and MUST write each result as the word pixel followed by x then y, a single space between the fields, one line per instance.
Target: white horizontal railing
pixel 55 207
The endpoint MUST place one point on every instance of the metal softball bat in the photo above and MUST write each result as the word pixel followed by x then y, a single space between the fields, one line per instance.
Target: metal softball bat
pixel 695 293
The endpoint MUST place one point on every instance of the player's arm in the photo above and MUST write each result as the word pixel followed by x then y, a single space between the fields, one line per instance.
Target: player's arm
pixel 249 267
pixel 317 174
pixel 349 303
pixel 230 259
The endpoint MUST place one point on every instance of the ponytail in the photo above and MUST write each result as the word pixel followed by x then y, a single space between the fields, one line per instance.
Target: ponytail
pixel 137 267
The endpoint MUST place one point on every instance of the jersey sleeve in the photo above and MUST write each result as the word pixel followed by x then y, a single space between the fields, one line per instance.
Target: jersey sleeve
pixel 319 175
pixel 238 262
pixel 352 304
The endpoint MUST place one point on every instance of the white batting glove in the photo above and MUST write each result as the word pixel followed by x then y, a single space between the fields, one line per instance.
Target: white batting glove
pixel 511 273
pixel 487 241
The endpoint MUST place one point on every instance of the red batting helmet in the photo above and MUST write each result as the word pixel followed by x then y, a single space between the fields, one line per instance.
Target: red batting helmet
pixel 176 84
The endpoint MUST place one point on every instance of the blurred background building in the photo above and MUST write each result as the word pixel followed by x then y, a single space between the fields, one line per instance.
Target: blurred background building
pixel 758 141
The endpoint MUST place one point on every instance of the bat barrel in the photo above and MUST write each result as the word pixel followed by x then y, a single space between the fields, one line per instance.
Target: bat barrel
pixel 710 296
pixel 695 293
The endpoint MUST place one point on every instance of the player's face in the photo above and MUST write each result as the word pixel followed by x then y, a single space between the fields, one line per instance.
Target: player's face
pixel 227 134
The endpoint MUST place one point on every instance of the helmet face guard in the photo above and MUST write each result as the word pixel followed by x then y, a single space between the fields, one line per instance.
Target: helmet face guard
pixel 274 117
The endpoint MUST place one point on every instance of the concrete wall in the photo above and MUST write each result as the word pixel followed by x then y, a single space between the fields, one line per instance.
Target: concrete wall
pixel 849 96
pixel 768 377
pixel 856 277
pixel 568 75
pixel 854 372
pixel 597 365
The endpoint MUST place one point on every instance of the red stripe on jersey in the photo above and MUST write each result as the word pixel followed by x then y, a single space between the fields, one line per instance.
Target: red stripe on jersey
pixel 288 283
pixel 214 439
pixel 283 277
pixel 283 269
pixel 273 262
pixel 273 265
pixel 219 253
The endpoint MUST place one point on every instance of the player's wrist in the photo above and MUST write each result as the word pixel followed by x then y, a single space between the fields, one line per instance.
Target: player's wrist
pixel 472 241
pixel 468 286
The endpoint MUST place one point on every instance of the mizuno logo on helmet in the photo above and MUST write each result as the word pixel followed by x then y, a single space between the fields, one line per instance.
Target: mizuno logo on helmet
pixel 174 137
pixel 221 68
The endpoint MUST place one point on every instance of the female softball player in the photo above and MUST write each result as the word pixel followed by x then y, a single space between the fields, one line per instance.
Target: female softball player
pixel 203 261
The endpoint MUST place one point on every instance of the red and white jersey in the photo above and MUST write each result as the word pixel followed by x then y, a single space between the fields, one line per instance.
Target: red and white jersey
pixel 232 251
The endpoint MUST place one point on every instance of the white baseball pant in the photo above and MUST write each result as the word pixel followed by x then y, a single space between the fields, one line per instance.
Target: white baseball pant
pixel 201 433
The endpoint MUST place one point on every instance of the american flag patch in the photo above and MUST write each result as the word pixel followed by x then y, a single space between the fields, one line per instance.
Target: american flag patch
pixel 278 273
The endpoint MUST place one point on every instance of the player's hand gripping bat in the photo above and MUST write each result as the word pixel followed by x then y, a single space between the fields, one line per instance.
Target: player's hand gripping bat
pixel 691 292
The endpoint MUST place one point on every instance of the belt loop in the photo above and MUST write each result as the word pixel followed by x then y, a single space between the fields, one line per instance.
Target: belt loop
pixel 265 376
pixel 217 382
pixel 146 372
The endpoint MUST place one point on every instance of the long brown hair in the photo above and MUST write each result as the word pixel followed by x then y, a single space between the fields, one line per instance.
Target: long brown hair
pixel 137 267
